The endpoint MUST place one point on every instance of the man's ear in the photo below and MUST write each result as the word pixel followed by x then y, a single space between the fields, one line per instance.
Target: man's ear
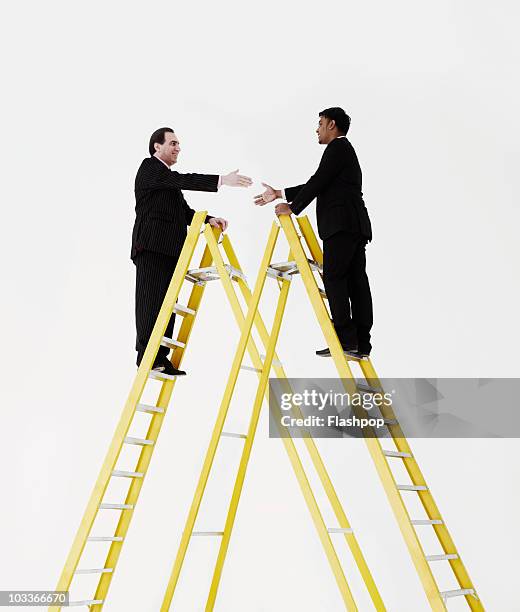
pixel 156 146
pixel 332 124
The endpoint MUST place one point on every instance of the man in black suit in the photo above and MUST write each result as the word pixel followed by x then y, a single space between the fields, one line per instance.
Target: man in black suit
pixel 162 215
pixel 344 227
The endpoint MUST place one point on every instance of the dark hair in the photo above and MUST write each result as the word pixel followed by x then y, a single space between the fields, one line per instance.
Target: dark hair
pixel 158 137
pixel 340 117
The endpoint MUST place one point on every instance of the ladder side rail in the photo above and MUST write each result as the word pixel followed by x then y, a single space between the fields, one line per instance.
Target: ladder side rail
pixel 374 446
pixel 123 426
pixel 219 423
pixel 154 428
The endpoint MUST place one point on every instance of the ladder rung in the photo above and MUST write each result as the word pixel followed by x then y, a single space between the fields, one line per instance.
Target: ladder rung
pixel 340 530
pixel 441 557
pixel 105 539
pixel 210 273
pixel 457 593
pixel 367 388
pixel 273 273
pixel 86 602
pixel 183 310
pixel 322 293
pixel 228 434
pixel 125 474
pixel 147 408
pixel 391 453
pixel 412 487
pixel 171 343
pixel 138 441
pixel 116 506
pixel 161 375
pixel 274 363
pixel 251 369
pixel 426 522
pixel 290 267
pixel 207 533
pixel 391 422
pixel 103 570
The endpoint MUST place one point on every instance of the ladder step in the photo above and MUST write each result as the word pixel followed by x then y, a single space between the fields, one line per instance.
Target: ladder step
pixel 340 530
pixel 161 375
pixel 183 310
pixel 441 557
pixel 457 593
pixel 251 369
pixel 426 522
pixel 412 487
pixel 275 361
pixel 390 453
pixel 87 602
pixel 105 539
pixel 147 408
pixel 138 441
pixel 322 293
pixel 171 343
pixel 204 275
pixel 368 388
pixel 116 506
pixel 207 533
pixel 125 474
pixel 103 570
pixel 228 434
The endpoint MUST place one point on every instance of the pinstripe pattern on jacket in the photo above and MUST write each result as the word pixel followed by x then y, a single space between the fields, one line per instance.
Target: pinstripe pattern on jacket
pixel 162 213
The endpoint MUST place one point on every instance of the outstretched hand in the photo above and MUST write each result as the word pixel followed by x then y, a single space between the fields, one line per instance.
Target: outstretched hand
pixel 270 194
pixel 219 222
pixel 233 179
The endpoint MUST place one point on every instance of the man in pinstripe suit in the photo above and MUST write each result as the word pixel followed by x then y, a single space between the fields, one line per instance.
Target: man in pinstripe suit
pixel 162 216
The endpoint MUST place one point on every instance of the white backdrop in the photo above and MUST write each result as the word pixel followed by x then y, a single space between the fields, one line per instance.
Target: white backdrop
pixel 433 96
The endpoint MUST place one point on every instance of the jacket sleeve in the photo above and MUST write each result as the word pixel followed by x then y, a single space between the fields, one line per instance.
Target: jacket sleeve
pixel 331 164
pixel 191 181
pixel 292 192
pixel 152 175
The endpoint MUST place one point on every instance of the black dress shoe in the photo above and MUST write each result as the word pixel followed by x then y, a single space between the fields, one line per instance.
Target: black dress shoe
pixel 348 350
pixel 167 368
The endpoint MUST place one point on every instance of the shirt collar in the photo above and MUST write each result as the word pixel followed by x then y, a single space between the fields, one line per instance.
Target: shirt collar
pixel 162 162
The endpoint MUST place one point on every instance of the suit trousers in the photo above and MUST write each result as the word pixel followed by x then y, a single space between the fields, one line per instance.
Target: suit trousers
pixel 154 272
pixel 347 288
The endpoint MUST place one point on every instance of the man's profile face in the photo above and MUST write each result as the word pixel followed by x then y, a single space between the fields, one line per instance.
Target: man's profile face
pixel 169 150
pixel 324 130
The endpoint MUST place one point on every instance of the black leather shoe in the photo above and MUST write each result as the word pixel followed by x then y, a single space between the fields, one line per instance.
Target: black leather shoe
pixel 348 350
pixel 168 368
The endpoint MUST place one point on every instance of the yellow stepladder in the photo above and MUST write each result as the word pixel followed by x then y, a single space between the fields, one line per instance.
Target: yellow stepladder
pixel 109 470
pixel 382 457
pixel 263 369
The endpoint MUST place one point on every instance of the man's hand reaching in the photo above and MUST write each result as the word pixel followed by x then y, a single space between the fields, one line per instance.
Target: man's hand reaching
pixel 269 195
pixel 233 179
pixel 219 222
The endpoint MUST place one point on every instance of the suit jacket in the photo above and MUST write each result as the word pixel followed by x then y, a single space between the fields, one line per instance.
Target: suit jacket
pixel 337 186
pixel 162 213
